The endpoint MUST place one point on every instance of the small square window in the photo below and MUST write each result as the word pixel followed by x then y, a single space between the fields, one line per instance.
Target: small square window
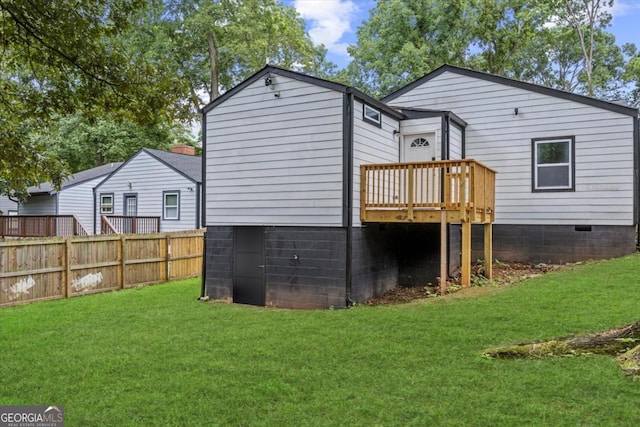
pixel 171 205
pixel 106 204
pixel 371 115
pixel 553 164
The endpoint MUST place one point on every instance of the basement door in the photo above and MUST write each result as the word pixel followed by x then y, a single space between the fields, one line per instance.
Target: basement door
pixel 249 268
pixel 419 147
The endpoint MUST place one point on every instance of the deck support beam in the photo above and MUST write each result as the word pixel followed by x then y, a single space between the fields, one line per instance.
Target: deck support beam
pixel 488 250
pixel 465 267
pixel 443 252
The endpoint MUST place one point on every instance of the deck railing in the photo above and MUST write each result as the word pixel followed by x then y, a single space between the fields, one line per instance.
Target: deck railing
pixel 114 224
pixel 415 192
pixel 40 226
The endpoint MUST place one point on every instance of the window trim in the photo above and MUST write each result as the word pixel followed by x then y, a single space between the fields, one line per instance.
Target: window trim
pixel 113 204
pixel 572 164
pixel 164 205
pixel 368 119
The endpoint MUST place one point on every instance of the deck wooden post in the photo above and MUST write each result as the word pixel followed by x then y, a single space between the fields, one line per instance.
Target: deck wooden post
pixel 488 250
pixel 466 254
pixel 443 252
pixel 410 190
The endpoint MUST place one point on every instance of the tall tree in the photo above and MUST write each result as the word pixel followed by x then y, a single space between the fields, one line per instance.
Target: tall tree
pixel 586 17
pixel 212 45
pixel 403 40
pixel 60 57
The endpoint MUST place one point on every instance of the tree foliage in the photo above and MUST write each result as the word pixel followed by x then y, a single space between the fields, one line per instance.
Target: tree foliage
pixel 213 45
pixel 559 43
pixel 85 144
pixel 63 57
pixel 89 81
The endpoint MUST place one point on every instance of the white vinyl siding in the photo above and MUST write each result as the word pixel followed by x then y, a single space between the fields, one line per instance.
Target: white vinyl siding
pixel 149 178
pixel 455 142
pixel 498 137
pixel 78 200
pixel 7 205
pixel 371 144
pixel 275 160
pixel 41 204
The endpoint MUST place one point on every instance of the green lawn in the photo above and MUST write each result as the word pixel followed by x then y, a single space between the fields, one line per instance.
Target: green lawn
pixel 155 356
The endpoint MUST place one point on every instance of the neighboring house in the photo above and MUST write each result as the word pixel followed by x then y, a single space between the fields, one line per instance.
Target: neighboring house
pixel 75 197
pixel 154 183
pixel 282 157
pixel 8 206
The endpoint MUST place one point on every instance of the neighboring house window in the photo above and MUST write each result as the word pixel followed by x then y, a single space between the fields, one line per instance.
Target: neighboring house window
pixel 371 115
pixel 171 205
pixel 553 164
pixel 106 204
pixel 12 212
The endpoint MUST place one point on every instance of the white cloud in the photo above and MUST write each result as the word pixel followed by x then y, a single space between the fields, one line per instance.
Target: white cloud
pixel 329 20
pixel 622 8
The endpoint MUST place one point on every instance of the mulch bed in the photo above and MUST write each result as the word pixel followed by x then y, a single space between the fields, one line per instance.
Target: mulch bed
pixel 503 274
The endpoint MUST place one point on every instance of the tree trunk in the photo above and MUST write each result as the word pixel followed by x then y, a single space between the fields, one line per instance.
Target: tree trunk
pixel 621 342
pixel 213 66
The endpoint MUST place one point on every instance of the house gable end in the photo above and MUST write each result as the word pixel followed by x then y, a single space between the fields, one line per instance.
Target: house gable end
pixel 594 102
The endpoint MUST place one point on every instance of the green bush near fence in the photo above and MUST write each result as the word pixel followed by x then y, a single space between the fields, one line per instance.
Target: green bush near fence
pixel 156 356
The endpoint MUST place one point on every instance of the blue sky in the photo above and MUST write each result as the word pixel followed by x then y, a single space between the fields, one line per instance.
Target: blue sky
pixel 334 23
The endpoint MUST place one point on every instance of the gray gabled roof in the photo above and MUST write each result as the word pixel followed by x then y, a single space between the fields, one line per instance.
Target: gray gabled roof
pixel 76 178
pixel 187 165
pixel 270 69
pixel 594 102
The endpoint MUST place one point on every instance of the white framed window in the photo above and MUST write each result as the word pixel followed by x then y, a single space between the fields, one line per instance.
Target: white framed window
pixel 106 204
pixel 553 164
pixel 372 115
pixel 171 205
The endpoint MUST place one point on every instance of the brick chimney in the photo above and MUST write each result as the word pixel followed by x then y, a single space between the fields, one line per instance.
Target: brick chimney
pixel 184 149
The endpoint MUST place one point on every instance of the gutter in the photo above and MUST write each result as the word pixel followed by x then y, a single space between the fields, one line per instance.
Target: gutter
pixel 201 187
pixel 348 188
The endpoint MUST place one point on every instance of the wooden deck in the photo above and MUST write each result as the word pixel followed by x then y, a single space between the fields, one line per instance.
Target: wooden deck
pixel 40 226
pixel 451 191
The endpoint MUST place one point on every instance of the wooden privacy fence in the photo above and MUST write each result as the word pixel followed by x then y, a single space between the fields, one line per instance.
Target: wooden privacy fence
pixel 35 270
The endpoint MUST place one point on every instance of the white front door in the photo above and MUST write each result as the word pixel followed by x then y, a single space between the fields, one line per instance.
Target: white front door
pixel 419 147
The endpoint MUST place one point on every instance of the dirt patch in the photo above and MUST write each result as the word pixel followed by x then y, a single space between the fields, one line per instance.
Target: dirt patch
pixel 503 274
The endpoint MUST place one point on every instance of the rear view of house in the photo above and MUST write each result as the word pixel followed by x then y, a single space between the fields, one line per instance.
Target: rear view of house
pixel 317 195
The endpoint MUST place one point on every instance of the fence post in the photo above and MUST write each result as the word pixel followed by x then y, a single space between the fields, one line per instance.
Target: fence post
pixel 66 283
pixel 123 260
pixel 168 258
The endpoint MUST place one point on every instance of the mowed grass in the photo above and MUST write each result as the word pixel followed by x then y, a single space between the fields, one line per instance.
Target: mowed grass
pixel 155 356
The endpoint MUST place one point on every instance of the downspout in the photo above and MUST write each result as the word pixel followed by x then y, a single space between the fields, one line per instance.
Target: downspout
pixel 203 296
pixel 93 190
pixel 198 206
pixel 348 188
pixel 636 176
